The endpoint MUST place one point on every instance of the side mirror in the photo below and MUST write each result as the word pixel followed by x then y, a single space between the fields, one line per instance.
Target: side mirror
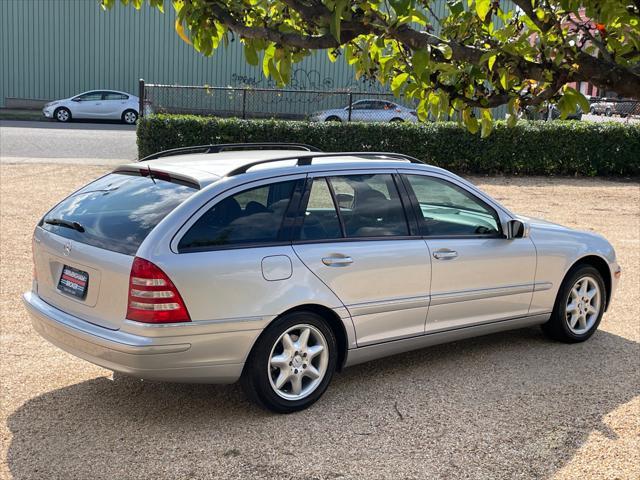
pixel 517 229
pixel 77 99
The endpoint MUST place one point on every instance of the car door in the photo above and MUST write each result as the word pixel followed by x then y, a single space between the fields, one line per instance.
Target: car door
pixel 478 275
pixel 87 105
pixel 114 104
pixel 354 235
pixel 361 111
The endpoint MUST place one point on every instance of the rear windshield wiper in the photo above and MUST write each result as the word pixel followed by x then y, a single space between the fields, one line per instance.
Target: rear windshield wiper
pixel 65 223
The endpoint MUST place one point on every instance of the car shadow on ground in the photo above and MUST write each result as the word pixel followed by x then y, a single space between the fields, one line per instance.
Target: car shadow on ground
pixel 513 401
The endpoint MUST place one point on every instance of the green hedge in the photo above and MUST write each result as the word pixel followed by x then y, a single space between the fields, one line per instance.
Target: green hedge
pixel 529 148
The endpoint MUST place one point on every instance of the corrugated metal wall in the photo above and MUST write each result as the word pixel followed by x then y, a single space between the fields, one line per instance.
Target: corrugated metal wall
pixel 57 48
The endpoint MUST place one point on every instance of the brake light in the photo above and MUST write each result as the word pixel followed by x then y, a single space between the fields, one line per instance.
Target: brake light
pixel 153 298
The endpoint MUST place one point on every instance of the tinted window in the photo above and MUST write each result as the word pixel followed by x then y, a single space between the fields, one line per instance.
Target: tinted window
pixel 320 217
pixel 90 97
pixel 362 105
pixel 369 205
pixel 449 210
pixel 118 210
pixel 251 216
pixel 115 96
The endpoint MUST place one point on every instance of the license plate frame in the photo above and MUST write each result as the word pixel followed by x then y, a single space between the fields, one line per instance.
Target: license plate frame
pixel 74 282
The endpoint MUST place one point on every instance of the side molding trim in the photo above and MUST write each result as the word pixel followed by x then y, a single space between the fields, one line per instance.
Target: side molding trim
pixel 372 352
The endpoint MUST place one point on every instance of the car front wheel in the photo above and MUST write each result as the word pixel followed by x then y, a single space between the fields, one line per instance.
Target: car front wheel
pixel 291 364
pixel 62 114
pixel 579 306
pixel 129 117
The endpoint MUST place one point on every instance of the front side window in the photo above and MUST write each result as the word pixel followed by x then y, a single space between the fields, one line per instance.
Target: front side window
pixel 447 209
pixel 249 217
pixel 369 205
pixel 90 97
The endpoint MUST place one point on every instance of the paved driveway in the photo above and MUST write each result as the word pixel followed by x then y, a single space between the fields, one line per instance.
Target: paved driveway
pixel 77 143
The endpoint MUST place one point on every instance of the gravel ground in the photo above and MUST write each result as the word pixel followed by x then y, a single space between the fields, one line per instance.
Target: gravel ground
pixel 512 405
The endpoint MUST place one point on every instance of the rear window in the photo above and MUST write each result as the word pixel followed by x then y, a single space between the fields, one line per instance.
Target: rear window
pixel 117 211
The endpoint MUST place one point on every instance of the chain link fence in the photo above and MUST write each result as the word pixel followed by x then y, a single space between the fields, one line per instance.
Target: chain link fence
pixel 610 107
pixel 245 102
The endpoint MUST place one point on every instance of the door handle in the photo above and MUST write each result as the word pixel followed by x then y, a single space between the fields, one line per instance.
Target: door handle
pixel 337 261
pixel 445 254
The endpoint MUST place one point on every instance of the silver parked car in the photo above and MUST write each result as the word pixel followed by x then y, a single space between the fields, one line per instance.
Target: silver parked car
pixel 278 265
pixel 97 105
pixel 368 110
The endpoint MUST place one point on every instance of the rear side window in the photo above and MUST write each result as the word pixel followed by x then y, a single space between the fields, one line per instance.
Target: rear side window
pixel 370 205
pixel 254 216
pixel 117 211
pixel 115 96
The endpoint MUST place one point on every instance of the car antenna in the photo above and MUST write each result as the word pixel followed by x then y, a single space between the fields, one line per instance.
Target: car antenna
pixel 151 174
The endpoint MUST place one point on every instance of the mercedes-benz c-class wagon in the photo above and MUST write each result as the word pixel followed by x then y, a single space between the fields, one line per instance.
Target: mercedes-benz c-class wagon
pixel 278 265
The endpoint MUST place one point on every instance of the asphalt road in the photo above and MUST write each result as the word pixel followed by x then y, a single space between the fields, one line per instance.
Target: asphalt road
pixel 77 143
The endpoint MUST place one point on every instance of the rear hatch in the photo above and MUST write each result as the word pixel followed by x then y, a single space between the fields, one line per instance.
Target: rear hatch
pixel 85 246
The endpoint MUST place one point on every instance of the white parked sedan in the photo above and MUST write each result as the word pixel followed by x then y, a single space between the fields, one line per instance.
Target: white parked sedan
pixel 95 104
pixel 368 110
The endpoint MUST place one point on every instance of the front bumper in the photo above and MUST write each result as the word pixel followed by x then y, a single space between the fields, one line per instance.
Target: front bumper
pixel 193 358
pixel 47 112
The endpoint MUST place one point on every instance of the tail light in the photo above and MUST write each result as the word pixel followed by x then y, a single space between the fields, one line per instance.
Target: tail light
pixel 153 298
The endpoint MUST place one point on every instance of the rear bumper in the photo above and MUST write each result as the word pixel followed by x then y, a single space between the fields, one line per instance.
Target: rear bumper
pixel 196 358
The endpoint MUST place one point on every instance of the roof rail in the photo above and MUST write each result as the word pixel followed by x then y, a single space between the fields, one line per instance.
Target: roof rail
pixel 306 159
pixel 221 147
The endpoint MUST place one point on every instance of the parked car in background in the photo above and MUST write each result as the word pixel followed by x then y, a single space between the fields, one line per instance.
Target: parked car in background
pixel 368 110
pixel 282 265
pixel 542 113
pixel 602 106
pixel 96 105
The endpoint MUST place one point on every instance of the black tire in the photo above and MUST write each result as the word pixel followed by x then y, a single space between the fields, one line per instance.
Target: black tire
pixel 62 114
pixel 608 112
pixel 332 118
pixel 592 111
pixel 130 117
pixel 557 327
pixel 396 120
pixel 255 379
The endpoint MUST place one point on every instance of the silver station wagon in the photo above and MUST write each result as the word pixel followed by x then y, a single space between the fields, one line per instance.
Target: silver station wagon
pixel 277 265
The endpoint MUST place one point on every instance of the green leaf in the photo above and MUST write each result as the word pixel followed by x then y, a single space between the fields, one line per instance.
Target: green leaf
pixel 482 8
pixel 251 55
pixel 455 6
pixel 420 60
pixel 398 82
pixel 491 61
pixel 400 6
pixel 337 18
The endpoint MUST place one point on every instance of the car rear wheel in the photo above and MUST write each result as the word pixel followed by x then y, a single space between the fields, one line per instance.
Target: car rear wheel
pixel 592 111
pixel 579 306
pixel 397 120
pixel 333 118
pixel 62 114
pixel 608 112
pixel 130 117
pixel 291 364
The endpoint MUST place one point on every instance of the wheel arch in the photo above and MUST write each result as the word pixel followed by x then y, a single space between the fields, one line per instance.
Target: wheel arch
pixel 335 323
pixel 602 266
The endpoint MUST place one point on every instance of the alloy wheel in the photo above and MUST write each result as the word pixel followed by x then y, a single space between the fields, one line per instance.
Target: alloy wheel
pixel 583 305
pixel 298 362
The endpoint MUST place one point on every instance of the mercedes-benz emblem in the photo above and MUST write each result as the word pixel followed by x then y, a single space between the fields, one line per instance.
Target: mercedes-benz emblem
pixel 67 249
